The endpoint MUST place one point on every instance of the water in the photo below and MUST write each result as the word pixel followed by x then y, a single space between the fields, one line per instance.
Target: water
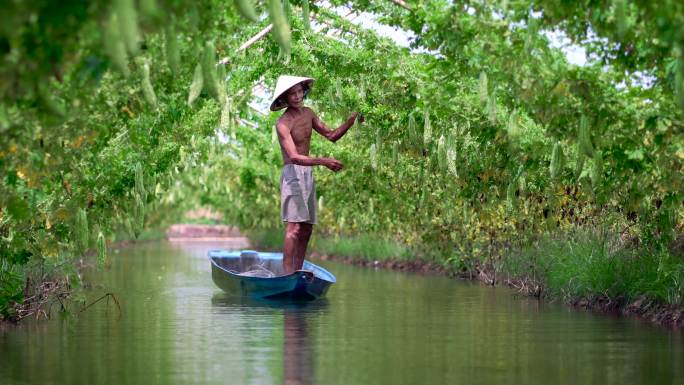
pixel 376 327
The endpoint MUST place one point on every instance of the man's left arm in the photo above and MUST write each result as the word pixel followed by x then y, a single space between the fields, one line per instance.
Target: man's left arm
pixel 335 135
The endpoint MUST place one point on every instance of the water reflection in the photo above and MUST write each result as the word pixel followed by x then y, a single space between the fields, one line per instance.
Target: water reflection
pixel 298 365
pixel 298 318
pixel 378 327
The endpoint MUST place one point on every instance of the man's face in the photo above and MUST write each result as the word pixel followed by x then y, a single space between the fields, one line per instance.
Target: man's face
pixel 295 96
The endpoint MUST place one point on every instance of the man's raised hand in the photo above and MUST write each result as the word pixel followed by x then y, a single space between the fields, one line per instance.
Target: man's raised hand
pixel 360 117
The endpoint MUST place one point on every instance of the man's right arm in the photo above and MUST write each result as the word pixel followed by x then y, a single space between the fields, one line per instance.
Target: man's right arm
pixel 290 149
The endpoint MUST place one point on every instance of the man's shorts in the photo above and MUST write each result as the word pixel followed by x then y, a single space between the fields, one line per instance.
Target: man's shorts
pixel 297 194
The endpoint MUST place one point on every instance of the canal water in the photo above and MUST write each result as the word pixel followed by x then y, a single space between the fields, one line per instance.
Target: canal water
pixel 376 327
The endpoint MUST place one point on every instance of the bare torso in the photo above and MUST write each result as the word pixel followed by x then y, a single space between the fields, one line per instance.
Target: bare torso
pixel 300 123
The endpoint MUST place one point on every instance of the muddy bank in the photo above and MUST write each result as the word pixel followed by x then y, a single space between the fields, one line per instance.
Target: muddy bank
pixel 42 297
pixel 45 295
pixel 665 315
pixel 669 316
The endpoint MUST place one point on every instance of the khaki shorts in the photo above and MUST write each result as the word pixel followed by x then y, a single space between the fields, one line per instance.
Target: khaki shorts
pixel 297 194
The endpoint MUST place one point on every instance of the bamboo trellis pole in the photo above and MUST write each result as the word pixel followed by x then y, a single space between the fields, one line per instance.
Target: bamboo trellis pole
pixel 403 4
pixel 268 28
pixel 255 38
pixel 249 42
pixel 258 36
pixel 321 20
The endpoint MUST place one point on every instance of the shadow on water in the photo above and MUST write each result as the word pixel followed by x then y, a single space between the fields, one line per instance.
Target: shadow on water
pixel 298 349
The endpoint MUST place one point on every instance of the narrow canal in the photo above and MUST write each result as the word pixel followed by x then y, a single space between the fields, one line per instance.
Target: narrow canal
pixel 376 327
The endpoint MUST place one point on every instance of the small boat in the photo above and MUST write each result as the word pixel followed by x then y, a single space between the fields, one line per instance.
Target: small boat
pixel 259 275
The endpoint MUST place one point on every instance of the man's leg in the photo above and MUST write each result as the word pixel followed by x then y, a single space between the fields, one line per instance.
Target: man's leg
pixel 305 230
pixel 292 234
pixel 297 237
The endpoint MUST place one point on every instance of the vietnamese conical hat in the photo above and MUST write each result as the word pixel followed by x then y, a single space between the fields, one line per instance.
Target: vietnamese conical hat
pixel 284 83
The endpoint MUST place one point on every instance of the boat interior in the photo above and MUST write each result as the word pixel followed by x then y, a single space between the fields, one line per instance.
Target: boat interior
pixel 251 265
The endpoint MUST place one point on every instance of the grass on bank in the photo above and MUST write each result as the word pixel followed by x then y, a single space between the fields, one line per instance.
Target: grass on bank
pixel 360 246
pixel 201 221
pixel 570 266
pixel 587 264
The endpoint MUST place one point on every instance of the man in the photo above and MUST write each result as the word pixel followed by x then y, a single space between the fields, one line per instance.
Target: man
pixel 297 189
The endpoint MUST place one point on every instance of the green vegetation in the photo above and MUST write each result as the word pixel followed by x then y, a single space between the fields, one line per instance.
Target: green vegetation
pixel 95 125
pixel 360 246
pixel 201 221
pixel 487 142
pixel 586 264
pixel 266 239
pixel 149 234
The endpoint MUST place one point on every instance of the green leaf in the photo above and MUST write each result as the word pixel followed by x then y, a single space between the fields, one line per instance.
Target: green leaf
pixel 637 154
